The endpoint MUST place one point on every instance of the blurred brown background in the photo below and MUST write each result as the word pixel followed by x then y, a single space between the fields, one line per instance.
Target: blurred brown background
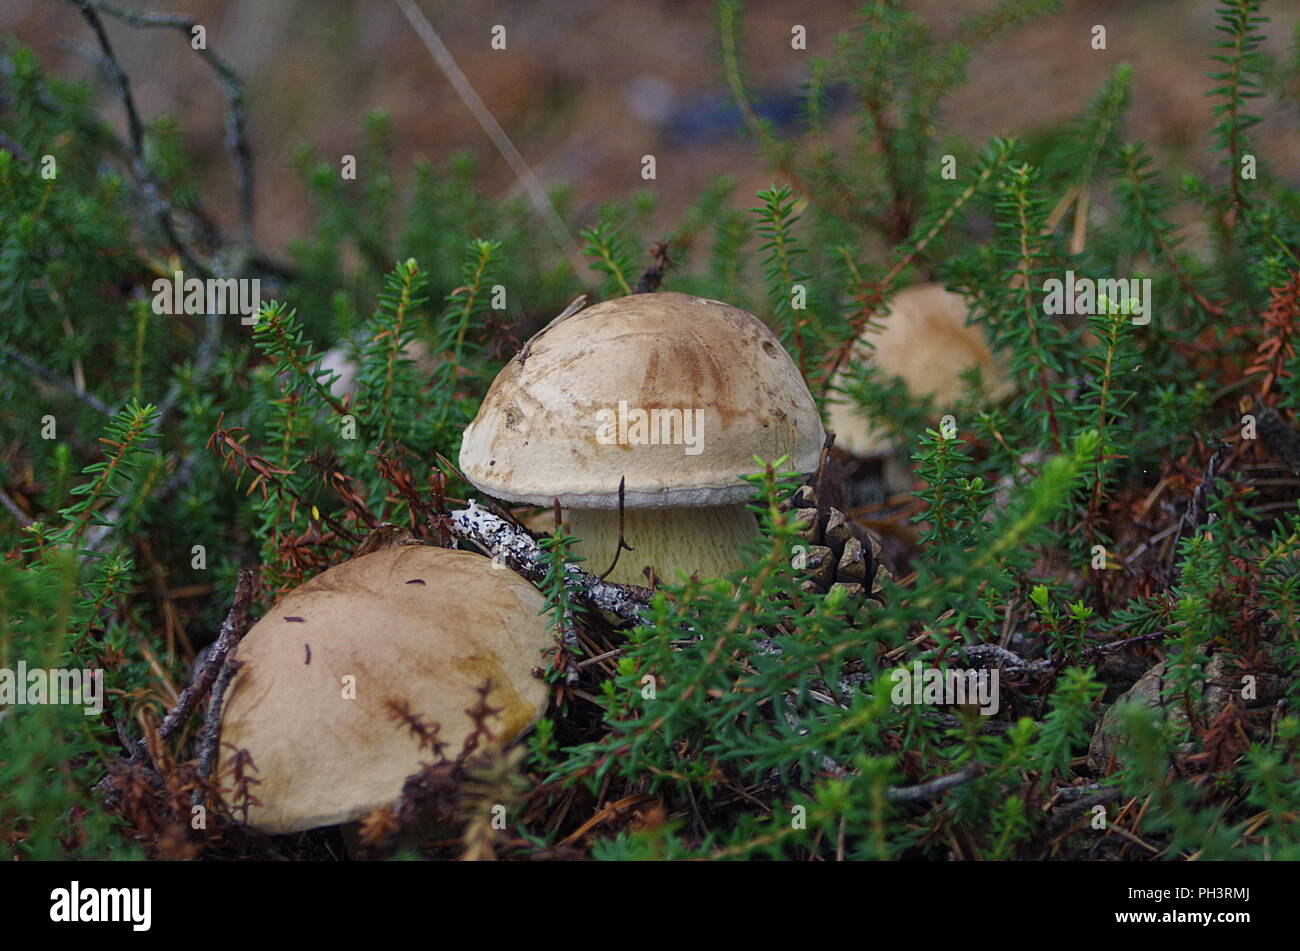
pixel 586 87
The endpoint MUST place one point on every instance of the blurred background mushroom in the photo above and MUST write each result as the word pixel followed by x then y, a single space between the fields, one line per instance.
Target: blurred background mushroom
pixel 334 672
pixel 669 395
pixel 925 341
pixel 341 361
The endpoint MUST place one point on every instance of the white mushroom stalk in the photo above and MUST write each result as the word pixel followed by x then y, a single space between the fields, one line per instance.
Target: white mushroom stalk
pixel 675 542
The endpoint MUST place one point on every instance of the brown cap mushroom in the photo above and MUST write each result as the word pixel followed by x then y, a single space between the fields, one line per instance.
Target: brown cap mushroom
pixel 925 340
pixel 323 670
pixel 671 393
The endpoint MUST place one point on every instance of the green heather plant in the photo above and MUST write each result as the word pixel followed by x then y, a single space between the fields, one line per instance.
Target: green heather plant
pixel 1135 502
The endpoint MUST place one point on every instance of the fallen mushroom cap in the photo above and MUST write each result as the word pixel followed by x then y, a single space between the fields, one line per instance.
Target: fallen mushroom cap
pixel 925 340
pixel 535 436
pixel 412 625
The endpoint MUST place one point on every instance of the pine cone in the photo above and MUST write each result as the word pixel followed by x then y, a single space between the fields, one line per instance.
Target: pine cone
pixel 841 554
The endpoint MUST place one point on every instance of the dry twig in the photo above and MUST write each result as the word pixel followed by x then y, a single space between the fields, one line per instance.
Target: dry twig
pixel 522 553
pixel 232 631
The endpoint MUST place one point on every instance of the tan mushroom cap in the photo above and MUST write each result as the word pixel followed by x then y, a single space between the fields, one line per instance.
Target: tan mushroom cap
pixel 925 340
pixel 415 625
pixel 536 435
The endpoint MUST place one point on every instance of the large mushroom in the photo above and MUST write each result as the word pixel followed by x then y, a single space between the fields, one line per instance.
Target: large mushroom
pixel 925 340
pixel 670 394
pixel 325 673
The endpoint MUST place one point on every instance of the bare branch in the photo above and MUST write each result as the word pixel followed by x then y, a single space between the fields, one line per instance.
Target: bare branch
pixel 232 87
pixel 54 380
pixel 210 737
pixel 158 205
pixel 232 632
pixel 23 518
pixel 499 538
pixel 934 788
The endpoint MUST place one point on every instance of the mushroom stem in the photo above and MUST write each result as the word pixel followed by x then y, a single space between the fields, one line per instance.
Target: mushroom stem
pixel 674 541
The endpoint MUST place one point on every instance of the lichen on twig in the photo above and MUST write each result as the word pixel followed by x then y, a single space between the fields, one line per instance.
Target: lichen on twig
pixel 521 553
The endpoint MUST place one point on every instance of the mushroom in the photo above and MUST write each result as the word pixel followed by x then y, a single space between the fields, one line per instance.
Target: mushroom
pixel 925 340
pixel 342 364
pixel 323 673
pixel 671 396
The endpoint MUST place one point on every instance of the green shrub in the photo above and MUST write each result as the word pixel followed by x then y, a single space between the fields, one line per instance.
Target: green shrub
pixel 1116 510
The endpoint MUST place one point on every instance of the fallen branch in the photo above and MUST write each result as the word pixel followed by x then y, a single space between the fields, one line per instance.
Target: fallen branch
pixel 210 737
pixel 1113 646
pixel 54 380
pixel 232 632
pixel 522 554
pixel 1002 659
pixel 22 517
pixel 934 788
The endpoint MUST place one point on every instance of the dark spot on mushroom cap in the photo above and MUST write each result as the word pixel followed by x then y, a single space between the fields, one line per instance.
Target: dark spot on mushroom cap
pixel 416 581
pixel 298 619
pixel 769 348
